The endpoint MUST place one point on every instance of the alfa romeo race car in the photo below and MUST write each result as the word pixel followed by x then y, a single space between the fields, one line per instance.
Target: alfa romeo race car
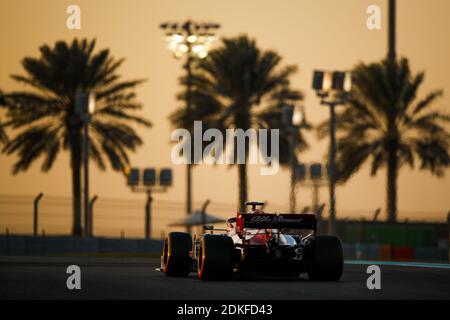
pixel 255 243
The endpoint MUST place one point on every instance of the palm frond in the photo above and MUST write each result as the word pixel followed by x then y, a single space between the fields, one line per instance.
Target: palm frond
pixel 32 143
pixel 44 118
pixel 383 116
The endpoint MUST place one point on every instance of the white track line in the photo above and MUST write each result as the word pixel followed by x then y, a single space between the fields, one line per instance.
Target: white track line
pixel 401 264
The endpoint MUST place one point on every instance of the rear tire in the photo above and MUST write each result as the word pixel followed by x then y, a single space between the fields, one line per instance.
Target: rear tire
pixel 176 260
pixel 327 260
pixel 216 257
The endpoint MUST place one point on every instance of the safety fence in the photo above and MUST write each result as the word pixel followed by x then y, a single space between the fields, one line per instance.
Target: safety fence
pixel 120 218
pixel 125 218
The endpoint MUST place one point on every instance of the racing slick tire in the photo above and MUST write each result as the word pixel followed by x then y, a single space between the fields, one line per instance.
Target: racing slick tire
pixel 327 260
pixel 216 257
pixel 176 260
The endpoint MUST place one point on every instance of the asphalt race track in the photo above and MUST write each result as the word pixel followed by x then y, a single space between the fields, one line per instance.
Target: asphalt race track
pixel 127 278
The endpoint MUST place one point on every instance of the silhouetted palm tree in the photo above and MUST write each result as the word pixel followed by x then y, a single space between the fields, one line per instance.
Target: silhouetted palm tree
pixel 3 136
pixel 207 109
pixel 203 108
pixel 385 122
pixel 244 86
pixel 46 121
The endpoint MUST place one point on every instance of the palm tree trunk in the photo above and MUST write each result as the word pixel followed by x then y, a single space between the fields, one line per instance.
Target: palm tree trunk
pixel 242 121
pixel 75 154
pixel 391 196
pixel 391 31
pixel 392 170
pixel 242 186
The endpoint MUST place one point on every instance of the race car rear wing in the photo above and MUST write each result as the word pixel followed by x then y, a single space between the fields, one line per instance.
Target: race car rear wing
pixel 275 221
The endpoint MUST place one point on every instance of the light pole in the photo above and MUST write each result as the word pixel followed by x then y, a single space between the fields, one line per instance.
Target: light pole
pixel 193 40
pixel 313 175
pixel 391 31
pixel 85 107
pixel 36 213
pixel 91 215
pixel 332 85
pixel 293 119
pixel 147 181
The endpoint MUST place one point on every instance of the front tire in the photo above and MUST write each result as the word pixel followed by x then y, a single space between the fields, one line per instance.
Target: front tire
pixel 327 260
pixel 176 260
pixel 216 257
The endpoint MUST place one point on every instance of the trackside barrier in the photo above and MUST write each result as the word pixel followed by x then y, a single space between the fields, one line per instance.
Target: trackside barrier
pixel 402 253
pixel 41 246
pixel 448 236
pixel 50 245
pixel 367 251
pixel 386 252
pixel 349 251
pixel 361 251
pixel 431 254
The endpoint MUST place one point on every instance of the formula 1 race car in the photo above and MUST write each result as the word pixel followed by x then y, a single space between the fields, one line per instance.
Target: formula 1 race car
pixel 255 243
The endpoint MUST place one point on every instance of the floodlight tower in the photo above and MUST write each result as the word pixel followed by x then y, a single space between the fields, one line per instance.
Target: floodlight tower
pixel 331 87
pixel 148 181
pixel 192 40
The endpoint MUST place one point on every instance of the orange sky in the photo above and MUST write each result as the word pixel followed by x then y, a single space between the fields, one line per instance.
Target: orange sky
pixel 312 34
